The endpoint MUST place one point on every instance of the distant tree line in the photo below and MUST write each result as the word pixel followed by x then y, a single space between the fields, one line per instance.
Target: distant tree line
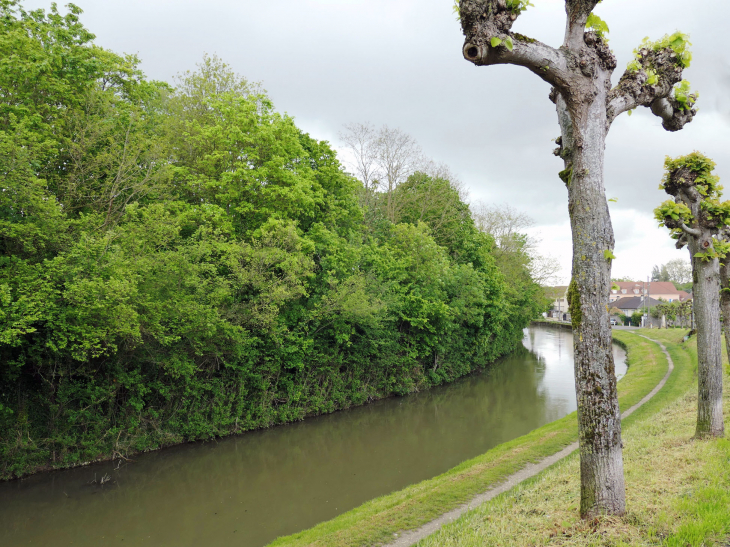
pixel 677 271
pixel 182 262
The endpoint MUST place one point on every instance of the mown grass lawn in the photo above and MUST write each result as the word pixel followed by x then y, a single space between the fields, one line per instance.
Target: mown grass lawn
pixel 376 521
pixel 678 488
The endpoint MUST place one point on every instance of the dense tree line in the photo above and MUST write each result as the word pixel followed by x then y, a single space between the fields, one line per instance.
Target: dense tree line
pixel 181 262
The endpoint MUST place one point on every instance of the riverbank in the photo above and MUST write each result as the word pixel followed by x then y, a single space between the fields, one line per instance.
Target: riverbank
pixel 552 323
pixel 24 456
pixel 279 481
pixel 381 519
pixel 677 487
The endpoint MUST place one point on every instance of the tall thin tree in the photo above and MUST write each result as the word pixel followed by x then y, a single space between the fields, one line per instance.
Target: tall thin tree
pixel 361 141
pixel 580 74
pixel 696 217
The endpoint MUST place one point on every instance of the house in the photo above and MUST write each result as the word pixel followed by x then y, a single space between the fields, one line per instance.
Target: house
pixel 663 290
pixel 559 298
pixel 632 304
pixel 684 296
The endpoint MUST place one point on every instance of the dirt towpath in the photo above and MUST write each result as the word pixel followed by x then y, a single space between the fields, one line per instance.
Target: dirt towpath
pixel 530 470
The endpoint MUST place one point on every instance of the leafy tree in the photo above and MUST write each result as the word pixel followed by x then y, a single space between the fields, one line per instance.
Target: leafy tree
pixel 695 217
pixel 507 226
pixel 659 274
pixel 435 201
pixel 636 318
pixel 587 103
pixel 677 271
pixel 178 263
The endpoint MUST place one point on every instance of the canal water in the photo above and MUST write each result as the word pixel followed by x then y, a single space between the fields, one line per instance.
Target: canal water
pixel 249 489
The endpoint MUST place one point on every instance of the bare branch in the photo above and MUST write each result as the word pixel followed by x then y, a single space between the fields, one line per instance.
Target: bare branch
pixel 691 231
pixel 673 114
pixel 361 141
pixel 547 62
pixel 577 12
pixel 580 8
pixel 489 41
pixel 724 233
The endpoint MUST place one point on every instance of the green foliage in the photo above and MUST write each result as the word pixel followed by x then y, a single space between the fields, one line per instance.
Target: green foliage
pixel 576 313
pixel 693 173
pixel 701 166
pixel 507 42
pixel 518 6
pixel 598 25
pixel 678 42
pixel 182 263
pixel 608 255
pixel 652 77
pixel 683 96
pixel 671 210
pixel 636 318
pixel 677 313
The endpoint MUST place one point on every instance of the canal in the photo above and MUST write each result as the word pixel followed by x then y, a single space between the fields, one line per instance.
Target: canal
pixel 249 489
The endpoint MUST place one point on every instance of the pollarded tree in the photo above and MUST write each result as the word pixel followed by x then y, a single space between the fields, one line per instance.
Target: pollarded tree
pixel 695 218
pixel 725 289
pixel 580 74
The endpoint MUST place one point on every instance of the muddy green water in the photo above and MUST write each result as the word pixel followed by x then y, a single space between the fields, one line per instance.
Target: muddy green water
pixel 247 490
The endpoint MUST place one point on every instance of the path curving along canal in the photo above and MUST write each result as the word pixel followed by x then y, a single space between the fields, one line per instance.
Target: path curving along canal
pixel 249 489
pixel 412 537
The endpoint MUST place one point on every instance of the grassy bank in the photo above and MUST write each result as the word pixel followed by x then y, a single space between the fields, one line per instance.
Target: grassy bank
pixel 678 488
pixel 377 520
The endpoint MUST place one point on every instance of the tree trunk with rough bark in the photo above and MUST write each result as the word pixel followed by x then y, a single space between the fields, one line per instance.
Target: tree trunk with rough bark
pixel 706 291
pixel 696 217
pixel 580 75
pixel 725 302
pixel 599 418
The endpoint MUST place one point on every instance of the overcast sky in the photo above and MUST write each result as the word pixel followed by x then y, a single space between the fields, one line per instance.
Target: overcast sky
pixel 399 62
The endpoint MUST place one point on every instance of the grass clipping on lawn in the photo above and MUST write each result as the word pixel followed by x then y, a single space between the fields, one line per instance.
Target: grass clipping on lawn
pixel 677 488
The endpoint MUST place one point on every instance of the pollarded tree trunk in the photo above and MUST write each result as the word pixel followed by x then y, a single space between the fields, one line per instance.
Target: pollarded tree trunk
pixel 599 418
pixel 706 292
pixel 695 217
pixel 725 300
pixel 580 73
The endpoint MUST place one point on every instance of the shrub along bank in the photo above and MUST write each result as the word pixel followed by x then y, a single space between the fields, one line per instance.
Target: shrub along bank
pixel 179 263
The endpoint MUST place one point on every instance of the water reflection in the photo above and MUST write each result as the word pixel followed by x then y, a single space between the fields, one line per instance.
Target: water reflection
pixel 252 488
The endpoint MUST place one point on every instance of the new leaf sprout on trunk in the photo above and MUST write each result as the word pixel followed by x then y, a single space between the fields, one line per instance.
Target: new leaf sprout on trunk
pixel 695 218
pixel 579 72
